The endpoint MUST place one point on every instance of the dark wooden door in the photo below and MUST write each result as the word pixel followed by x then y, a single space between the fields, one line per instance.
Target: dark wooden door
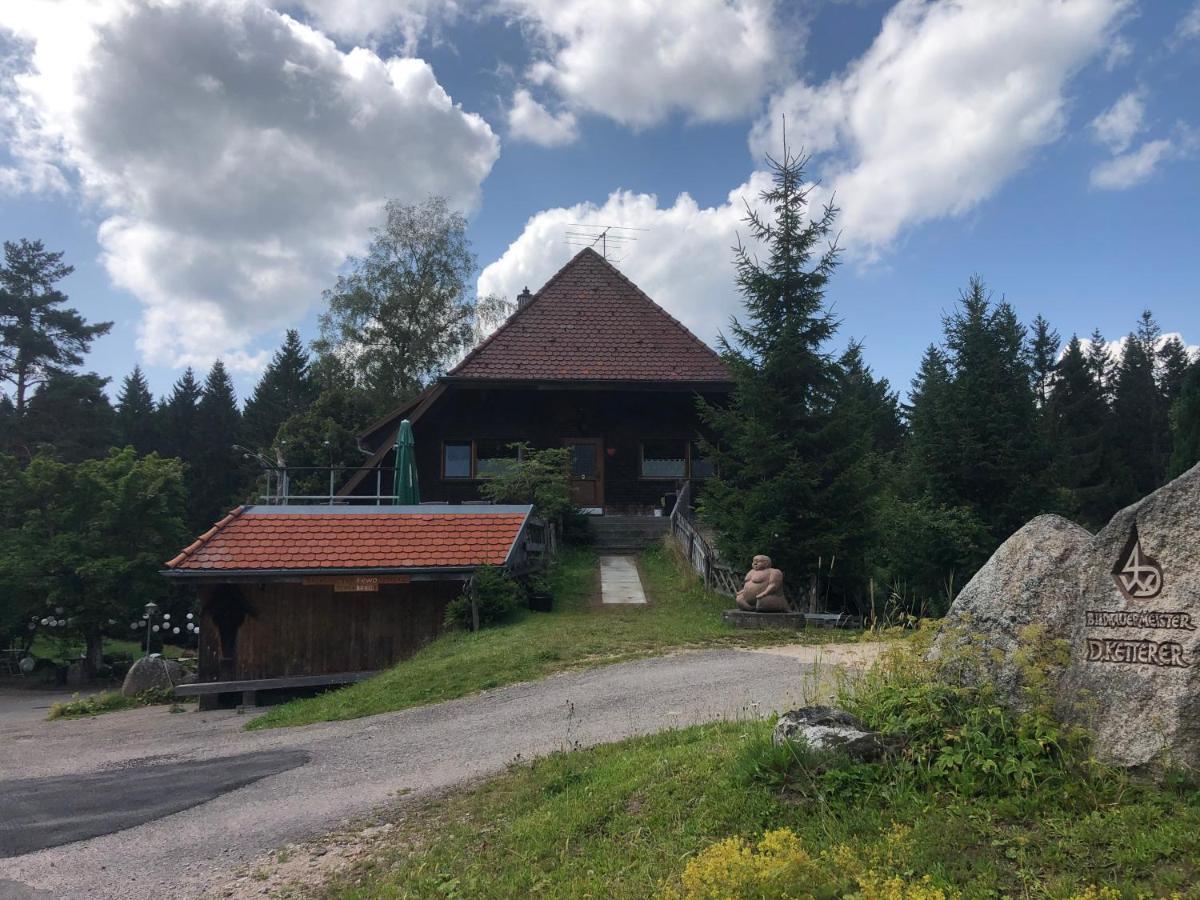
pixel 587 472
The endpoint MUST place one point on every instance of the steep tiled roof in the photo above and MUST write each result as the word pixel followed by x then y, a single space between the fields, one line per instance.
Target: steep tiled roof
pixel 354 539
pixel 591 323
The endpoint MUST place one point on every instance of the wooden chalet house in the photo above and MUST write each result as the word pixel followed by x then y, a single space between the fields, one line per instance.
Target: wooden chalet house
pixel 590 363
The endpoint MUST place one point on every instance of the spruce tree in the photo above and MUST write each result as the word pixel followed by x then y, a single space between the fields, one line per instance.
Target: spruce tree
pixel 1173 364
pixel 137 418
pixel 177 417
pixel 69 418
pixel 931 456
pixel 218 471
pixel 8 425
pixel 1142 429
pixel 1081 428
pixel 790 472
pixel 38 338
pixel 1044 343
pixel 1101 363
pixel 981 447
pixel 871 401
pixel 1185 424
pixel 286 388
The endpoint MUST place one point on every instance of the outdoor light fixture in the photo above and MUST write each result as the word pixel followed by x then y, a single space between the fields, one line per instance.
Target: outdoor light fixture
pixel 151 608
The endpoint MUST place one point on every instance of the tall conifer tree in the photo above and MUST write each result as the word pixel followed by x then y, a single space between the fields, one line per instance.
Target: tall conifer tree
pixel 218 471
pixel 69 418
pixel 1142 428
pixel 286 388
pixel 1185 424
pixel 1101 363
pixel 1044 343
pixel 137 419
pixel 790 471
pixel 177 417
pixel 1081 428
pixel 1173 364
pixel 980 447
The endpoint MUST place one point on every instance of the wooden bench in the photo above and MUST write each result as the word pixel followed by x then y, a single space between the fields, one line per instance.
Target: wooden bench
pixel 250 689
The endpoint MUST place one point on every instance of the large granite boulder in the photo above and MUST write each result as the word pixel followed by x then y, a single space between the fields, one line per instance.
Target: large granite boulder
pixel 826 728
pixel 1031 581
pixel 1126 605
pixel 152 673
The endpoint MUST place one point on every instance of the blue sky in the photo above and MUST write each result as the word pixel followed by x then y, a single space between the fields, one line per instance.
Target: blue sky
pixel 207 165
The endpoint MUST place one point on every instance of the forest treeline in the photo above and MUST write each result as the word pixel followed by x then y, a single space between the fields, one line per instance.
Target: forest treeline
pixel 820 463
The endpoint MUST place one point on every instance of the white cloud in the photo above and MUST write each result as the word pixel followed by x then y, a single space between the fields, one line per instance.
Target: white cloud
pixel 236 155
pixel 684 260
pixel 639 62
pixel 412 20
pixel 1118 125
pixel 1132 168
pixel 1119 51
pixel 1116 349
pixel 951 100
pixel 528 120
pixel 1189 26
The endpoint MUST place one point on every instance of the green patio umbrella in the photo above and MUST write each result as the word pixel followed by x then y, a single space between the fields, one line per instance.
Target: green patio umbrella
pixel 405 482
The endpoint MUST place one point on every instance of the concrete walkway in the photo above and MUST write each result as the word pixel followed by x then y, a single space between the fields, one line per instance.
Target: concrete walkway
pixel 352 766
pixel 619 581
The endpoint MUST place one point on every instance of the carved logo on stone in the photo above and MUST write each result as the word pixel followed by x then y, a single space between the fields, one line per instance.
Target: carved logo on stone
pixel 1138 576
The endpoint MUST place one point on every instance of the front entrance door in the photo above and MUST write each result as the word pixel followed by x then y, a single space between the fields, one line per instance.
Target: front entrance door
pixel 587 472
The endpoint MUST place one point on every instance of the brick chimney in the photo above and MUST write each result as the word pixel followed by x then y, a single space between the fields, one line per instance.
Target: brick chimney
pixel 523 298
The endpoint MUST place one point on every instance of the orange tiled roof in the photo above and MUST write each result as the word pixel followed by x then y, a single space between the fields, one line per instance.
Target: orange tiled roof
pixel 591 323
pixel 343 538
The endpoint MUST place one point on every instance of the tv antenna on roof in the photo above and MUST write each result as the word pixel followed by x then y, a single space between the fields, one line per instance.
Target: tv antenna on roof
pixel 591 235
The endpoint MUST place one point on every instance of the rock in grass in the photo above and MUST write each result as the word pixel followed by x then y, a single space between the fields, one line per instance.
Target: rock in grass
pixel 1032 580
pixel 827 729
pixel 149 674
pixel 1117 618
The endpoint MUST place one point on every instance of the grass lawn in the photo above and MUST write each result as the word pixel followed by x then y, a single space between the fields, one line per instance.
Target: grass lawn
pixel 625 819
pixel 680 614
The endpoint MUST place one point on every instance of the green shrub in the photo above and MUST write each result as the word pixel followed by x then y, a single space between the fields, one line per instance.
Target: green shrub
pixel 962 741
pixel 541 477
pixel 497 597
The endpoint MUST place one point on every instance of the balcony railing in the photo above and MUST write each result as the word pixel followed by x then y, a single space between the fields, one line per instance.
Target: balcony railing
pixel 319 485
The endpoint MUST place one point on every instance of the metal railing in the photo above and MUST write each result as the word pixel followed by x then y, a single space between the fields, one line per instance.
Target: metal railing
pixel 284 485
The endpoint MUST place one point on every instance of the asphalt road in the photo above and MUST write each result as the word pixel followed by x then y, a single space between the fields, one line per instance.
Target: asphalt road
pixel 62 809
pixel 264 794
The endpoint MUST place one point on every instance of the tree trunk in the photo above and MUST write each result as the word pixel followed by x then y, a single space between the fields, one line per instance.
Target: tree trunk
pixel 94 655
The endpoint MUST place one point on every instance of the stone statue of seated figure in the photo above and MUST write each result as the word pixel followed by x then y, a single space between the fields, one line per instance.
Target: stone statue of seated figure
pixel 763 590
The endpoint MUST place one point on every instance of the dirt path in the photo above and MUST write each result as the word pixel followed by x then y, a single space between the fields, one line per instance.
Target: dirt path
pixel 357 766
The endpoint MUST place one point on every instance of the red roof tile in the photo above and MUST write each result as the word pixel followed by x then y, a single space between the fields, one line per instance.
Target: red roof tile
pixel 254 538
pixel 591 323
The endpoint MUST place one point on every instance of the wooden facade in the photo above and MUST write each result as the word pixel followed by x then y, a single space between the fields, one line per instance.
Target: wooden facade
pixel 282 629
pixel 629 448
pixel 589 363
pixel 301 597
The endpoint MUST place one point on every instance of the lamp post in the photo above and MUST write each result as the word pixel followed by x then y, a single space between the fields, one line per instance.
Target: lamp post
pixel 151 608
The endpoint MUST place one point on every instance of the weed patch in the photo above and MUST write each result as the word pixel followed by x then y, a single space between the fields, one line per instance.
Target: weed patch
pixel 110 701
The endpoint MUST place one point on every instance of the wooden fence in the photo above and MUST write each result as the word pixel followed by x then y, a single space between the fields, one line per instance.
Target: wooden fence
pixel 700 554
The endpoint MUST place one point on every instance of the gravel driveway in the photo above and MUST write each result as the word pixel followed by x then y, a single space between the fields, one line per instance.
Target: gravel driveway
pixel 353 767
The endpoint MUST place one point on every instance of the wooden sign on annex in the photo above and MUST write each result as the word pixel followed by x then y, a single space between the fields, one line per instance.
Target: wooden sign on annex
pixel 348 584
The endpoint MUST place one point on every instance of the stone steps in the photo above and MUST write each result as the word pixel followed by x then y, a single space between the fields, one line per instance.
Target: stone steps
pixel 628 534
